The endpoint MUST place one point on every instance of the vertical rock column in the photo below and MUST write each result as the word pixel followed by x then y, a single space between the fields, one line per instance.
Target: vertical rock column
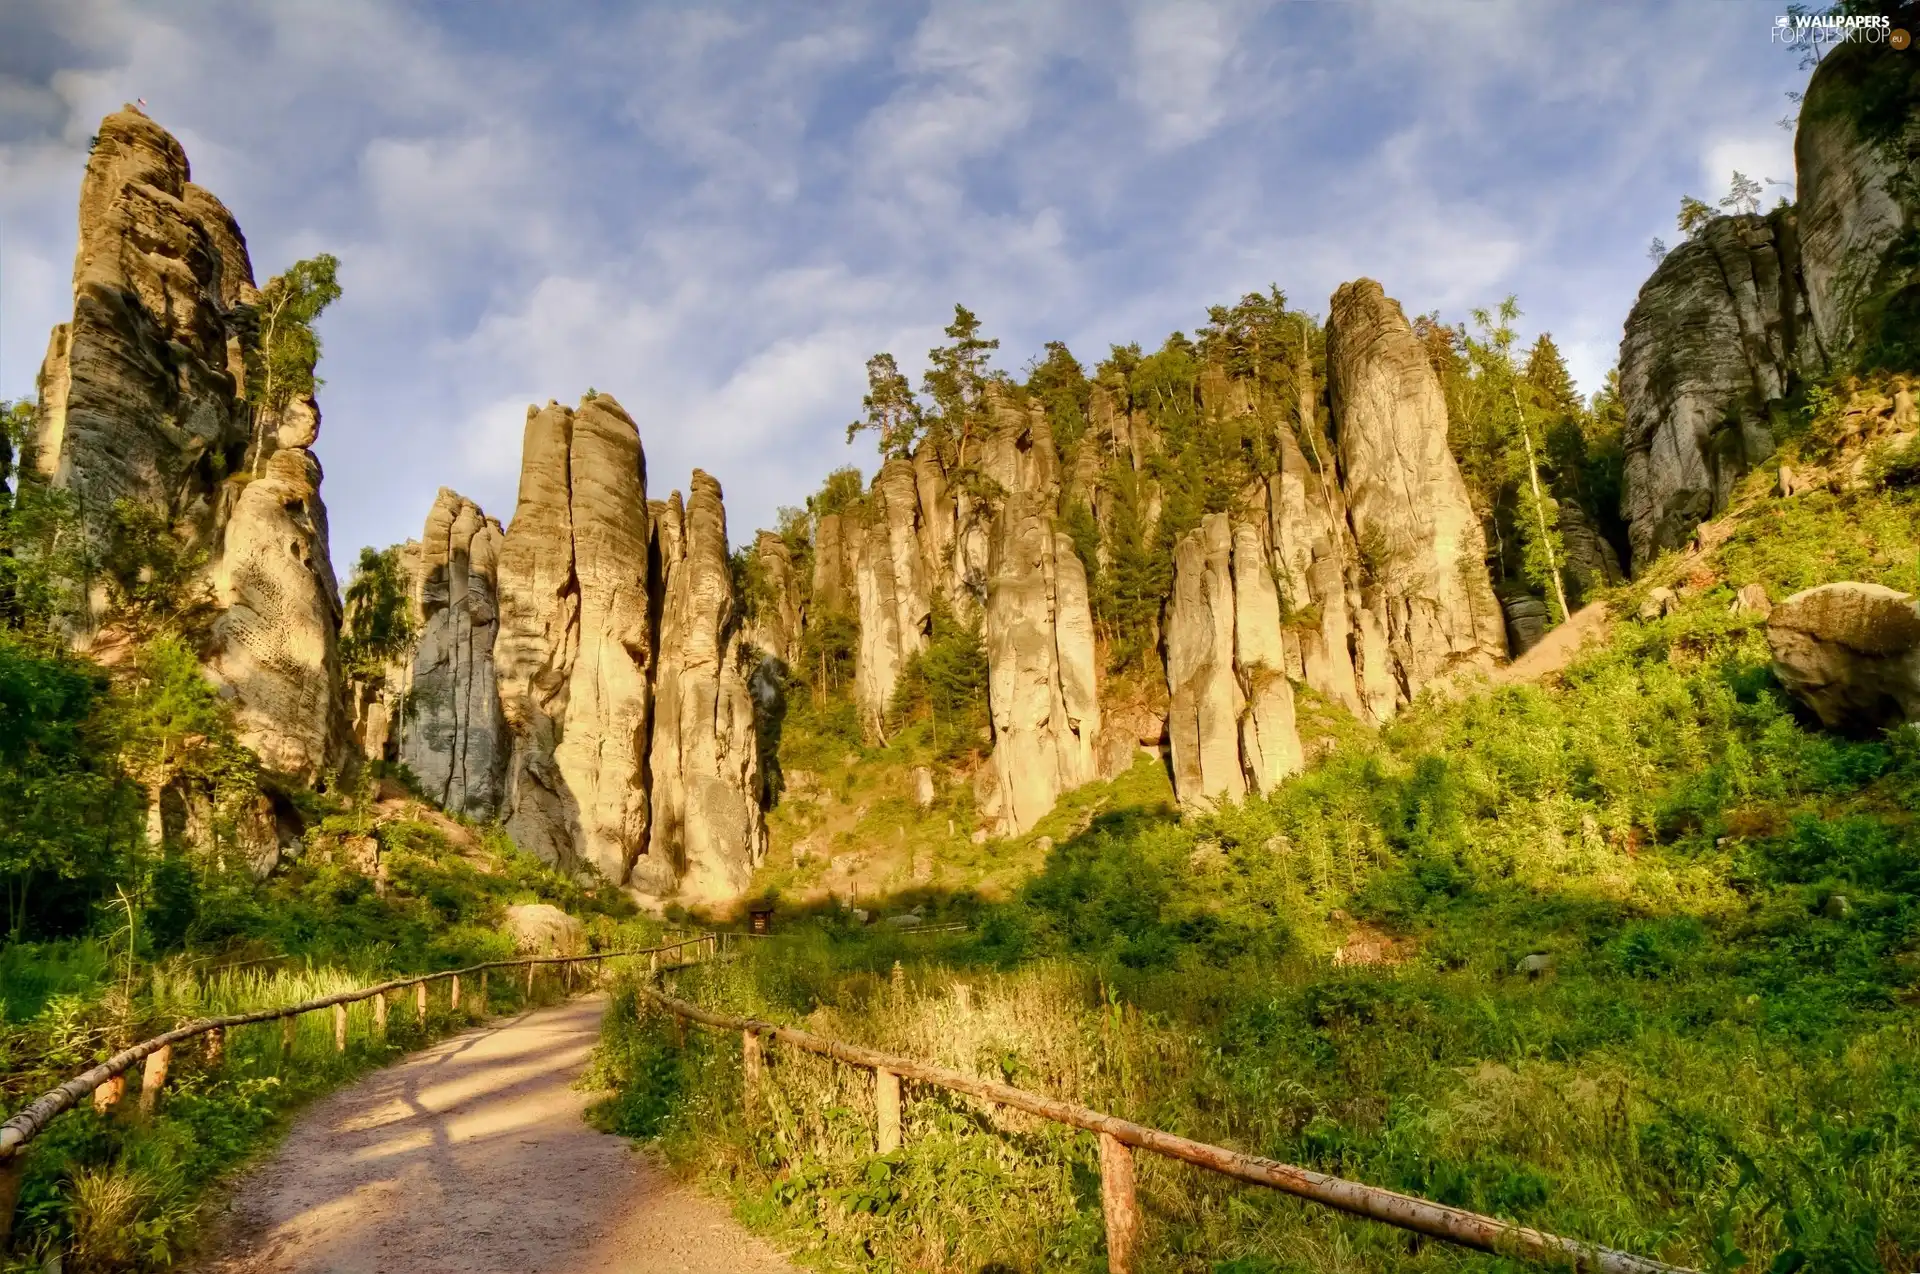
pixel 1427 603
pixel 709 831
pixel 575 646
pixel 455 737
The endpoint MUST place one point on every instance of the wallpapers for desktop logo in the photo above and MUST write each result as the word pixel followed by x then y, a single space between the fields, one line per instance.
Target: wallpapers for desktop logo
pixel 1831 28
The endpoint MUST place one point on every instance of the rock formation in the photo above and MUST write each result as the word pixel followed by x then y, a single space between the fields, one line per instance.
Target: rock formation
pixel 1851 653
pixel 1732 317
pixel 455 736
pixel 575 644
pixel 708 831
pixel 779 617
pixel 143 404
pixel 1714 341
pixel 1038 628
pixel 1421 546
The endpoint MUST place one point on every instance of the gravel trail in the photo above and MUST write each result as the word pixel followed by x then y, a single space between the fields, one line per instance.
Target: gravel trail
pixel 472 1157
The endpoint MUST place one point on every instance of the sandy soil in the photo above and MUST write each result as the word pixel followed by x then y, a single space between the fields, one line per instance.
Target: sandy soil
pixel 473 1157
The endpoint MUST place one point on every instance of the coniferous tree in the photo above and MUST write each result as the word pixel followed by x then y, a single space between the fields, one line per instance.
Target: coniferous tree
pixel 281 364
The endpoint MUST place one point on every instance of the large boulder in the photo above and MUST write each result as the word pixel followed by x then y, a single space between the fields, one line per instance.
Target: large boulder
pixel 1851 653
pixel 540 928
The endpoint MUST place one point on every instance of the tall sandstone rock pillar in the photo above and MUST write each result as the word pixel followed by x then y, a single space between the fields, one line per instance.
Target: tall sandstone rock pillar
pixel 1427 603
pixel 143 403
pixel 708 830
pixel 455 737
pixel 1041 680
pixel 575 645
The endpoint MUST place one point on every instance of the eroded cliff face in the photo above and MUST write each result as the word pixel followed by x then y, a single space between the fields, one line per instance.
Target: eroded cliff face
pixel 1356 568
pixel 1733 317
pixel 454 737
pixel 1715 339
pixel 708 825
pixel 143 403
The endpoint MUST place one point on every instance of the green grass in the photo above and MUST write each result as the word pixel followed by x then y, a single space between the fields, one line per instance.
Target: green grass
pixel 1719 1069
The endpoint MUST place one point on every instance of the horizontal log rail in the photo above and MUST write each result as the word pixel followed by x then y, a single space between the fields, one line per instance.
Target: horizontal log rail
pixel 32 1119
pixel 1422 1216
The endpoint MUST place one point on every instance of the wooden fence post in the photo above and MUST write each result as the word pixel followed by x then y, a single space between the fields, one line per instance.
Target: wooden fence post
pixel 653 962
pixel 12 1172
pixel 216 1046
pixel 380 1015
pixel 108 1095
pixel 289 1026
pixel 154 1077
pixel 750 1068
pixel 679 1031
pixel 1121 1207
pixel 420 1001
pixel 453 996
pixel 568 966
pixel 886 1106
pixel 339 1028
pixel 483 993
pixel 530 969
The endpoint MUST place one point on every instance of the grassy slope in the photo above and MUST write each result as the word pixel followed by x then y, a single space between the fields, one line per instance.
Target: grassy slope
pixel 122 1193
pixel 1718 1069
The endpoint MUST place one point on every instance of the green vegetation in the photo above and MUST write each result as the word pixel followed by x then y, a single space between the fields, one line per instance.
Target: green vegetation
pixel 1630 956
pixel 282 359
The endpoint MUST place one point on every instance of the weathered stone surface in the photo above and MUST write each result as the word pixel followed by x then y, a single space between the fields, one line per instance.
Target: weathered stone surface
pixel 1855 197
pixel 455 738
pixel 1592 564
pixel 275 644
pixel 1527 621
pixel 1428 603
pixel 540 928
pixel 1269 741
pixel 142 401
pixel 891 583
pixel 1038 629
pixel 375 702
pixel 1752 599
pixel 709 829
pixel 1203 716
pixel 832 576
pixel 779 617
pixel 575 641
pixel 1851 653
pixel 1716 335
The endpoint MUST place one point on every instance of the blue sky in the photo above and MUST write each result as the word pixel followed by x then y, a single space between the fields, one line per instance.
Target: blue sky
pixel 716 212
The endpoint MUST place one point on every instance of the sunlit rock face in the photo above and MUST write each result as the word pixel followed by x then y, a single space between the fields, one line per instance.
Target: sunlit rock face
pixel 143 408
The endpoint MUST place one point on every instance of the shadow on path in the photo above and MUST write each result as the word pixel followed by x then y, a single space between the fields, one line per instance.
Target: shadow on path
pixel 473 1157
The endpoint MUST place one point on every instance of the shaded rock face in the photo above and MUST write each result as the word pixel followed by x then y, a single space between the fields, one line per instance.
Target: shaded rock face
pixel 1714 341
pixel 142 401
pixel 1426 592
pixel 1851 653
pixel 708 829
pixel 1857 202
pixel 455 737
pixel 780 618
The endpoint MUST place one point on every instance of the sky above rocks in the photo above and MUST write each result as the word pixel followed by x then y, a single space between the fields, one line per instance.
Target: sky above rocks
pixel 717 212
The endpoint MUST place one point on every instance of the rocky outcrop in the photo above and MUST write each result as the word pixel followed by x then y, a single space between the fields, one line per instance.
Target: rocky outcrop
pixel 708 830
pixel 1038 628
pixel 1427 603
pixel 143 404
pixel 1713 344
pixel 1851 653
pixel 1855 153
pixel 779 613
pixel 455 736
pixel 575 643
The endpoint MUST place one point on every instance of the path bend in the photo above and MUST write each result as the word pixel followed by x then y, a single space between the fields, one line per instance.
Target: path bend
pixel 473 1157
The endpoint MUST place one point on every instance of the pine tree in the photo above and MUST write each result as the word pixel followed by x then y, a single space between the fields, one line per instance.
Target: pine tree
pixel 892 411
pixel 956 381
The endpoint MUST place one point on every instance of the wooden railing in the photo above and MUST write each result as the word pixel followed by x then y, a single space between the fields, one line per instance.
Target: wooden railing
pixel 1120 1137
pixel 106 1081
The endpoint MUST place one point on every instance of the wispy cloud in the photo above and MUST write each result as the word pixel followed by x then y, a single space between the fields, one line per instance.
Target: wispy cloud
pixel 716 212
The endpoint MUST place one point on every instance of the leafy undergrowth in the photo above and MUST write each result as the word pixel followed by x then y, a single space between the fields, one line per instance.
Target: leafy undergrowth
pixel 1709 1058
pixel 123 1192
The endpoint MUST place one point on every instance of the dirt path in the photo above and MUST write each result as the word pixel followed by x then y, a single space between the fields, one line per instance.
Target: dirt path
pixel 472 1157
